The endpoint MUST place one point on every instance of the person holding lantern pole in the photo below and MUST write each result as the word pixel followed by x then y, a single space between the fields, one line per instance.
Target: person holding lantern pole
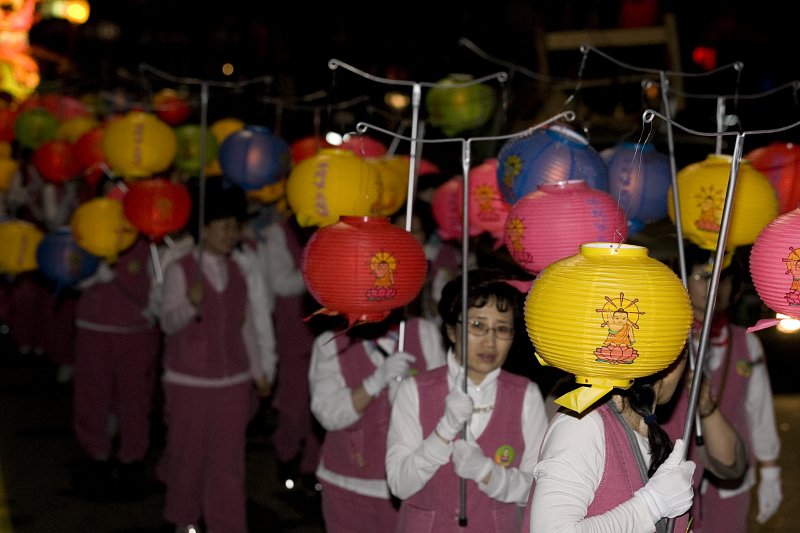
pixel 740 390
pixel 353 379
pixel 615 469
pixel 429 447
pixel 219 357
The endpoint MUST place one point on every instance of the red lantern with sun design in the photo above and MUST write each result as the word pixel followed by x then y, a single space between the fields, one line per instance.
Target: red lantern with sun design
pixel 363 267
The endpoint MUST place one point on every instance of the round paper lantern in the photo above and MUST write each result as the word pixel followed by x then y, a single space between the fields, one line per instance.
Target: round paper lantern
pixel 775 264
pixel 71 129
pixel 456 109
pixel 61 260
pixel 34 127
pixel 608 314
pixel 157 207
pixel 91 156
pixel 61 106
pixel 702 187
pixel 363 267
pixel 18 242
pixel 187 156
pixel 780 162
pixel 550 155
pixel 139 145
pixel 393 173
pixel 253 157
pixel 488 210
pixel 447 210
pixel 306 147
pixel 100 227
pixel 363 145
pixel 56 161
pixel 171 106
pixel 639 177
pixel 553 222
pixel 331 184
pixel 223 127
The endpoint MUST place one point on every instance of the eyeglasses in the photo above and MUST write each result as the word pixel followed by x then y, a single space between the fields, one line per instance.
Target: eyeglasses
pixel 476 328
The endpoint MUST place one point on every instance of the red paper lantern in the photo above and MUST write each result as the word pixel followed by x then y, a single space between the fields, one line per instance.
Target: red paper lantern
pixel 775 264
pixel 91 156
pixel 554 221
pixel 56 161
pixel 363 146
pixel 306 147
pixel 780 162
pixel 7 118
pixel 363 267
pixel 171 107
pixel 157 206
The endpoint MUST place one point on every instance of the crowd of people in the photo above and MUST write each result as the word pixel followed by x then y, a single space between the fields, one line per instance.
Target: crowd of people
pixel 389 433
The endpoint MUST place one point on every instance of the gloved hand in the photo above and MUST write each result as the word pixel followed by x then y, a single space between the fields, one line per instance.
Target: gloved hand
pixel 769 493
pixel 669 492
pixel 469 461
pixel 394 366
pixel 457 410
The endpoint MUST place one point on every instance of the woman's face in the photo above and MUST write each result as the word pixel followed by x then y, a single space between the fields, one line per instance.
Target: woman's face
pixel 489 351
pixel 220 236
pixel 698 283
pixel 666 386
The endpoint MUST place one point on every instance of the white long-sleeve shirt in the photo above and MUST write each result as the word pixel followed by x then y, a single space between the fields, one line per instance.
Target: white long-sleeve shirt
pixel 569 470
pixel 257 331
pixel 331 401
pixel 762 438
pixel 413 458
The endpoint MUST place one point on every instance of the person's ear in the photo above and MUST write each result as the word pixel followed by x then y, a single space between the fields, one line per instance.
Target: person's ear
pixel 451 333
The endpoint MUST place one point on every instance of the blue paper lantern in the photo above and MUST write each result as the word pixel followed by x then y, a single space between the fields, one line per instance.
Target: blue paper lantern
pixel 253 157
pixel 61 260
pixel 639 178
pixel 553 155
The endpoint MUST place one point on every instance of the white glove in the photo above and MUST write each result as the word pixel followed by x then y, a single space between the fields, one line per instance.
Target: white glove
pixel 457 410
pixel 393 367
pixel 669 492
pixel 469 461
pixel 769 493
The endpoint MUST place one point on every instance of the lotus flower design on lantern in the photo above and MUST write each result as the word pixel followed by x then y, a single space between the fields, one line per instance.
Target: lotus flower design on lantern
pixel 793 267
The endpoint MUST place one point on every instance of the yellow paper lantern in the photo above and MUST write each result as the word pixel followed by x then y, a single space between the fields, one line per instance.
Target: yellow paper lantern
pixel 100 227
pixel 73 128
pixel 702 187
pixel 223 127
pixel 269 193
pixel 393 172
pixel 330 184
pixel 19 240
pixel 8 168
pixel 139 145
pixel 608 315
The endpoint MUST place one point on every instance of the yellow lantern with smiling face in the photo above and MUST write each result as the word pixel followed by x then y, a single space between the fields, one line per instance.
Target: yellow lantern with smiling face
pixel 608 315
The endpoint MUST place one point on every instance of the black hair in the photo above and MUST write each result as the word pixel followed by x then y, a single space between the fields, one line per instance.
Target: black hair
pixel 223 199
pixel 483 285
pixel 641 398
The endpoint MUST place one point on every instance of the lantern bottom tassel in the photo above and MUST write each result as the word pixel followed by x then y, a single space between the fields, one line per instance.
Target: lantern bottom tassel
pixel 579 399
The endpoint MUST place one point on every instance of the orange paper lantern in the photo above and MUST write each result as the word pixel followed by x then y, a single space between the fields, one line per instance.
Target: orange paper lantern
pixel 157 206
pixel 363 267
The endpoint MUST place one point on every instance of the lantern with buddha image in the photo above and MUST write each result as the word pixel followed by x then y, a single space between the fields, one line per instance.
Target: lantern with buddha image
pixel 608 314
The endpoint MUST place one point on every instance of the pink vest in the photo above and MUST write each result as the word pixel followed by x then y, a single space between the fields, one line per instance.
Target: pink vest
pixel 435 507
pixel 121 301
pixel 360 450
pixel 213 346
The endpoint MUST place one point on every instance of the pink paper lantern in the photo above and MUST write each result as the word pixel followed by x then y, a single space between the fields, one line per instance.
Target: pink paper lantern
pixel 552 223
pixel 446 209
pixel 488 209
pixel 775 264
pixel 781 163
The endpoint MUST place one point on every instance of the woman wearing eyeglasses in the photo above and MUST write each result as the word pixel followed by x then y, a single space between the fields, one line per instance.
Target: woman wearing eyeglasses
pixel 427 451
